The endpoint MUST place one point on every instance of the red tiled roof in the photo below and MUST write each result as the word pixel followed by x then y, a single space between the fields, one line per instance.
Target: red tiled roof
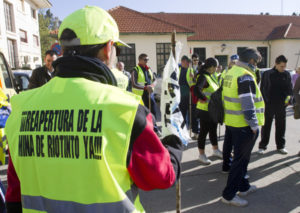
pixel 214 27
pixel 131 21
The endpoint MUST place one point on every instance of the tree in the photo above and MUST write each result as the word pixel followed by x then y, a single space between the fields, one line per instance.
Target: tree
pixel 47 23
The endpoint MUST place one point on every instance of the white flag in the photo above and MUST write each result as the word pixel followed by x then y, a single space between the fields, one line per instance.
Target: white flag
pixel 172 120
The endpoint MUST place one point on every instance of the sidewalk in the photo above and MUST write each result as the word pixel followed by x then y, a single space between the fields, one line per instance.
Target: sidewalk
pixel 277 177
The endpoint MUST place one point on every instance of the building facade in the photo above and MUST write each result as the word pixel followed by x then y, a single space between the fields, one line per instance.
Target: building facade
pixel 208 35
pixel 19 32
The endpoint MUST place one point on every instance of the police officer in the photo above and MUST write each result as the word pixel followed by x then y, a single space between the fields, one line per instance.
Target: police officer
pixel 77 144
pixel 244 113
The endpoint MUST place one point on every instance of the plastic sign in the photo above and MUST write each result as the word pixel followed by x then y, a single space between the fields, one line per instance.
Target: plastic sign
pixel 57 48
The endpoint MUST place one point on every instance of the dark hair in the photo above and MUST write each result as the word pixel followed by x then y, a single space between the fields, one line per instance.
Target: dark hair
pixel 84 50
pixel 185 58
pixel 195 55
pixel 208 63
pixel 280 59
pixel 142 56
pixel 51 53
pixel 248 54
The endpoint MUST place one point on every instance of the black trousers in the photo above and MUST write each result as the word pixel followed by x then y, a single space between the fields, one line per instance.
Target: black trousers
pixel 207 126
pixel 242 140
pixel 184 108
pixel 271 111
pixel 145 99
pixel 195 120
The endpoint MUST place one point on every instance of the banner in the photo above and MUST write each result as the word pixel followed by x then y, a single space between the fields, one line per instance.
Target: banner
pixel 172 120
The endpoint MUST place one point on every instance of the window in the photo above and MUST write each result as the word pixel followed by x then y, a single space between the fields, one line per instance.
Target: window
pixel 201 52
pixel 223 60
pixel 9 18
pixel 127 56
pixel 22 6
pixel 264 54
pixel 12 53
pixel 23 36
pixel 162 56
pixel 36 41
pixel 240 50
pixel 33 13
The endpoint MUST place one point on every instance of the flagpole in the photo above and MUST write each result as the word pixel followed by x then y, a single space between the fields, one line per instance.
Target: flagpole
pixel 178 184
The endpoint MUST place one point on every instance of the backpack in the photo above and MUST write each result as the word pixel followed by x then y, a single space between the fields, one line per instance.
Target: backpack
pixel 215 106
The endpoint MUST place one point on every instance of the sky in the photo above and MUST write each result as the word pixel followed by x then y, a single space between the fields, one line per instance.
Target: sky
pixel 62 8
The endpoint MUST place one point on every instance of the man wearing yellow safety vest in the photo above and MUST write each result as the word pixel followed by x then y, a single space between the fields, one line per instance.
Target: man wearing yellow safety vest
pixel 186 80
pixel 244 113
pixel 77 144
pixel 142 79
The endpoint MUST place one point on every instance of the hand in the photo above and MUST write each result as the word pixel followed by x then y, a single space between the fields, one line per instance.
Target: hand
pixel 254 131
pixel 149 89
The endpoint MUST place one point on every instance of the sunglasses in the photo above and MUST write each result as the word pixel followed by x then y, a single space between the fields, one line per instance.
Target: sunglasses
pixel 146 59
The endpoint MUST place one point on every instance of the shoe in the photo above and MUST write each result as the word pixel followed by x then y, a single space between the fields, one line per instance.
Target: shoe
pixel 217 153
pixel 225 171
pixel 282 151
pixel 252 189
pixel 247 176
pixel 261 151
pixel 204 160
pixel 236 201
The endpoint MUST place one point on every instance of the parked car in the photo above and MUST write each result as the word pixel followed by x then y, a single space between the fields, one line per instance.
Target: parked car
pixel 7 80
pixel 22 78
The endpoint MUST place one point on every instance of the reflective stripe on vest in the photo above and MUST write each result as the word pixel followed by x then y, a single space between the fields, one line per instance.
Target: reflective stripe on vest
pixel 40 203
pixel 212 87
pixel 237 100
pixel 234 115
pixel 189 76
pixel 141 80
pixel 73 147
pixel 232 112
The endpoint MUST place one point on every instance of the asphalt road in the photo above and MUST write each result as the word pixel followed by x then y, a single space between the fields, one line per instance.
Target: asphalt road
pixel 277 177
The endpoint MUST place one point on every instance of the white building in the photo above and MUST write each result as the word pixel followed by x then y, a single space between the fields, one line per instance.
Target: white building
pixel 19 32
pixel 208 35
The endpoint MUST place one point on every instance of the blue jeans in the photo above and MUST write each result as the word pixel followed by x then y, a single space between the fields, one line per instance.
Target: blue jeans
pixel 243 140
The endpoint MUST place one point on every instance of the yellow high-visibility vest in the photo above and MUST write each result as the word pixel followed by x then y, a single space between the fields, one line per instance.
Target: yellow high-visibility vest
pixel 141 80
pixel 213 86
pixel 122 80
pixel 234 115
pixel 69 142
pixel 189 76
